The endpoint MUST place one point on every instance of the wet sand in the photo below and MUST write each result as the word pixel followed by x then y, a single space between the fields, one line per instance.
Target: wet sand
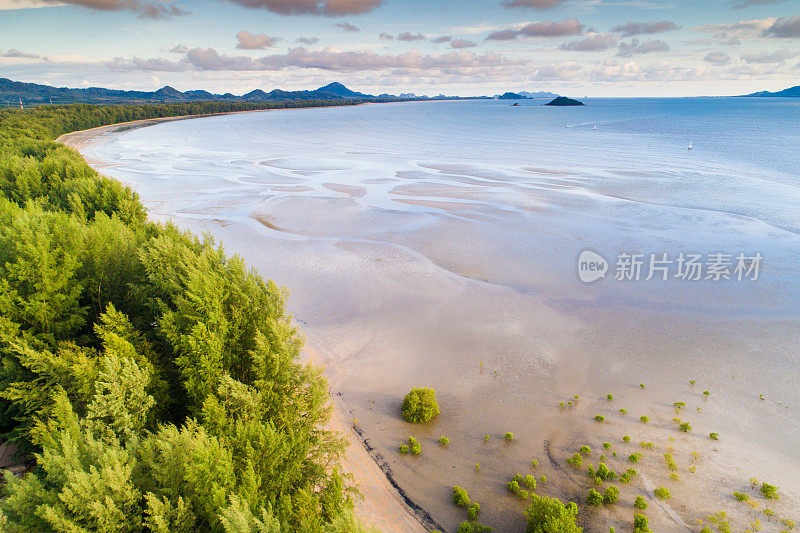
pixel 439 295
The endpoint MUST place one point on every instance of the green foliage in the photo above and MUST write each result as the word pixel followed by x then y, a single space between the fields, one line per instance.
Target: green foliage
pixel 605 473
pixel 420 405
pixel 585 450
pixel 623 411
pixel 509 436
pixel 599 418
pixel 594 498
pixel 644 419
pixel 626 438
pixel 534 463
pixel 156 381
pixel 647 445
pixel 640 503
pixel 473 527
pixel 460 497
pixel 611 494
pixel 404 448
pixel 741 496
pixel 679 405
pixel 609 397
pixel 713 436
pixel 640 524
pixel 513 487
pixel 685 427
pixel 530 482
pixel 416 448
pixel 444 441
pixel 634 457
pixel 550 515
pixel 706 393
pixel 770 492
pixel 473 511
pixel 662 493
pixel 576 460
pixel 607 445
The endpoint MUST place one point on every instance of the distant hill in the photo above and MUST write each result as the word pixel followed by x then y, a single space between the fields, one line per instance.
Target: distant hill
pixel 538 94
pixel 791 92
pixel 511 96
pixel 564 101
pixel 33 93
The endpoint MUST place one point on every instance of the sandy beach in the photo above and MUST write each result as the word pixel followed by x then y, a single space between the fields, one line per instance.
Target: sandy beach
pixel 461 277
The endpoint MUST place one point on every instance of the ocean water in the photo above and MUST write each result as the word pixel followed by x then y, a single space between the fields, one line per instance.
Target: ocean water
pixel 437 244
pixel 516 192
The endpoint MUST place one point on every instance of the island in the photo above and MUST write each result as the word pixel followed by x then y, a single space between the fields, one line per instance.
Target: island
pixel 564 101
pixel 791 92
pixel 512 96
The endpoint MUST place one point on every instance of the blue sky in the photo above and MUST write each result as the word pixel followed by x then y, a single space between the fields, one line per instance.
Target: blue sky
pixel 574 47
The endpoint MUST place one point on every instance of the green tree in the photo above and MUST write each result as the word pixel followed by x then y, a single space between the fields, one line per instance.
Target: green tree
pixel 420 405
pixel 551 515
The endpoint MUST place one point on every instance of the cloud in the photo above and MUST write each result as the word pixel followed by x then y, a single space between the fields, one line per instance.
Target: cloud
pixel 533 4
pixel 546 28
pixel 717 58
pixel 346 26
pixel 778 56
pixel 784 28
pixel 248 41
pixel 19 54
pixel 149 65
pixel 386 37
pixel 462 43
pixel 601 41
pixel 630 29
pixel 407 36
pixel 741 30
pixel 179 49
pixel 152 10
pixel 414 62
pixel 739 4
pixel 636 47
pixel 442 39
pixel 307 40
pixel 329 8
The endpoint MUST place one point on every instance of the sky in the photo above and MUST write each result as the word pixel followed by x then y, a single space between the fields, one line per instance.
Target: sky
pixel 467 47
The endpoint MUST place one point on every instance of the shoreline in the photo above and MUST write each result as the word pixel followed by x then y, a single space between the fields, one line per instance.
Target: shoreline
pixel 383 504
pixel 387 304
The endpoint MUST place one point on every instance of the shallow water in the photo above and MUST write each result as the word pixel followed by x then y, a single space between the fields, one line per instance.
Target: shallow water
pixel 436 243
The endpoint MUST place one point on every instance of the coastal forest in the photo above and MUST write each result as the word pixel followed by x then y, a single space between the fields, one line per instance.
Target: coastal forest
pixel 148 381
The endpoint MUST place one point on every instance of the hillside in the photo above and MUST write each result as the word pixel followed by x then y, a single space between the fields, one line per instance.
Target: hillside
pixel 791 92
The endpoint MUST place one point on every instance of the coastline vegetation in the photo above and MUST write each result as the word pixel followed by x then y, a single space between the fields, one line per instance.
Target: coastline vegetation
pixel 150 381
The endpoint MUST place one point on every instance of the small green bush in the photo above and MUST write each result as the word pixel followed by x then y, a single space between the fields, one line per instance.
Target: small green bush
pixel 576 460
pixel 640 524
pixel 713 436
pixel 741 496
pixel 644 419
pixel 473 527
pixel 444 441
pixel 640 503
pixel 534 463
pixel 634 457
pixel 404 448
pixel 679 405
pixel 548 515
pixel 460 497
pixel 412 441
pixel 626 438
pixel 523 494
pixel 770 492
pixel 420 405
pixel 607 445
pixel 530 482
pixel 706 393
pixel 543 479
pixel 692 382
pixel 609 397
pixel 416 448
pixel 641 385
pixel 623 411
pixel 662 493
pixel 611 494
pixel 685 427
pixel 509 436
pixel 473 511
pixel 599 418
pixel 594 498
pixel 769 512
pixel 512 487
pixel 647 445
pixel 585 450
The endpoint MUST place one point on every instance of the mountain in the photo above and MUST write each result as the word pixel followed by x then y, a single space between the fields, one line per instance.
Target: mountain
pixel 511 96
pixel 564 101
pixel 791 92
pixel 538 94
pixel 33 93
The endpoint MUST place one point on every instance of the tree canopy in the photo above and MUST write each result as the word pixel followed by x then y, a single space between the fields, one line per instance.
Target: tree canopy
pixel 153 381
